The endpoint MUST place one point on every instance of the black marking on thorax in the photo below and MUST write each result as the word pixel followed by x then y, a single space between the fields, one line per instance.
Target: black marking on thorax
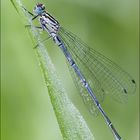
pixel 47 15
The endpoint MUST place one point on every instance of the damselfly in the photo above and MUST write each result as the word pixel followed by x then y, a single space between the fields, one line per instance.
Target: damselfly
pixel 98 74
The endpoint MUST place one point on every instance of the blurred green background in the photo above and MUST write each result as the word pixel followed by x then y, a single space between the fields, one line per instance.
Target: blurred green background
pixel 110 26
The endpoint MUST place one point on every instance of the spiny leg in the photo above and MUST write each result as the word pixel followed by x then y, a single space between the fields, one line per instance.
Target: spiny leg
pixel 37 27
pixel 28 11
pixel 42 41
pixel 34 16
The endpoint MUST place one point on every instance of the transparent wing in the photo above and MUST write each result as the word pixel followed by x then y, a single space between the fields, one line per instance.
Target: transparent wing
pixel 83 92
pixel 102 74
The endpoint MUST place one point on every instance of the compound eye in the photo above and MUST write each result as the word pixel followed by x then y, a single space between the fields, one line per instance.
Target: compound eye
pixel 43 7
pixel 39 5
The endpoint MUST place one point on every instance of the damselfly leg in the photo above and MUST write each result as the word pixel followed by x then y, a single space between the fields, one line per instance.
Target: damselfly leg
pixel 34 16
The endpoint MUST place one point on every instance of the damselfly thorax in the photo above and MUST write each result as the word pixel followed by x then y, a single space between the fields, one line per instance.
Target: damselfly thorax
pixel 49 24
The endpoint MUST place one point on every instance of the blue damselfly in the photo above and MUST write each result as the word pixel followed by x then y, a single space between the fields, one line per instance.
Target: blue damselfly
pixel 97 74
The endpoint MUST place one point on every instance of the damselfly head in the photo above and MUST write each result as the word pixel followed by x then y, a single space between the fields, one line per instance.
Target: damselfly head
pixel 39 8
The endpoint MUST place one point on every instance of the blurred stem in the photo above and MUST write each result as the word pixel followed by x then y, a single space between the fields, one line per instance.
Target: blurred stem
pixel 71 123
